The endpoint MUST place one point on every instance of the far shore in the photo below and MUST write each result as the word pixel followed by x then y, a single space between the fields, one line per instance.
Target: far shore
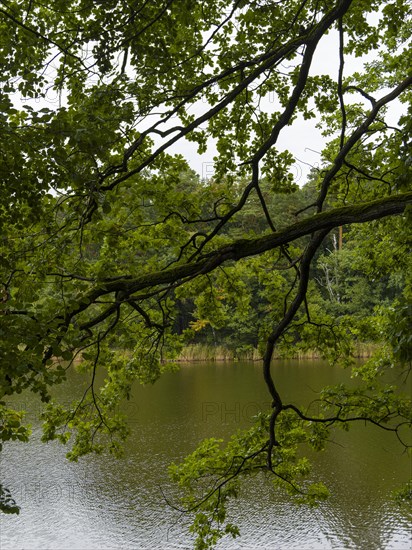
pixel 200 352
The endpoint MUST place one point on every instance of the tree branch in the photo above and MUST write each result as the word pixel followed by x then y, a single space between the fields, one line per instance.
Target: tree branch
pixel 356 135
pixel 243 248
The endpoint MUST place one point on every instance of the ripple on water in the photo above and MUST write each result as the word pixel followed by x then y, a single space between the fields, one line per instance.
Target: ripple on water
pixel 101 503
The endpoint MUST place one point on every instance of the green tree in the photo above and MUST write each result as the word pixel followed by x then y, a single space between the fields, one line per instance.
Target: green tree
pixel 105 231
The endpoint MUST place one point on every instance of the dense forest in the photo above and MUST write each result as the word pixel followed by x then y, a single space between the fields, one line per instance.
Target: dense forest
pixel 348 295
pixel 115 254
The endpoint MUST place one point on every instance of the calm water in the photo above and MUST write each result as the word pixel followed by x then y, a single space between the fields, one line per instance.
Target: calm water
pixel 104 503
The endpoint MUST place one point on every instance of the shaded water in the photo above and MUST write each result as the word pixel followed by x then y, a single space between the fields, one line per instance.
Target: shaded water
pixel 104 503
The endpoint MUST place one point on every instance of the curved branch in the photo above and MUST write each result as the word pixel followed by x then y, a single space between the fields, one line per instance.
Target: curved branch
pixel 244 248
pixel 268 61
pixel 356 135
pixel 300 297
pixel 331 420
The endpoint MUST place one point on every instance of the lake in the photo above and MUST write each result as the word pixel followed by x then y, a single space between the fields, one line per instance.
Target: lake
pixel 105 503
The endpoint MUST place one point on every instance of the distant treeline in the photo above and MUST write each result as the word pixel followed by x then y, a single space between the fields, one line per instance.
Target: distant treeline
pixel 228 314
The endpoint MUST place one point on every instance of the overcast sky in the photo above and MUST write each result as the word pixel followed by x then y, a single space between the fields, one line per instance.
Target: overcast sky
pixel 302 139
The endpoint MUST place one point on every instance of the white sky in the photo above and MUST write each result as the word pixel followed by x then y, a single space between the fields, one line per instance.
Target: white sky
pixel 303 139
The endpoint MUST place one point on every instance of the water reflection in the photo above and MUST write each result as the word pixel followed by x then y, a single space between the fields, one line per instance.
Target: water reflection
pixel 104 503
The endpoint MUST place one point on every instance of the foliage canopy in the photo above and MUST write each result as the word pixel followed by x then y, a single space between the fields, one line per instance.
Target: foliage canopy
pixel 110 241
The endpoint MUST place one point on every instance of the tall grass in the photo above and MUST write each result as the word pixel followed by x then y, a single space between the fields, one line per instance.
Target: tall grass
pixel 205 352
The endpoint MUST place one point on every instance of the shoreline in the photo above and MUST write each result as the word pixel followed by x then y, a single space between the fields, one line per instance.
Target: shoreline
pixel 201 352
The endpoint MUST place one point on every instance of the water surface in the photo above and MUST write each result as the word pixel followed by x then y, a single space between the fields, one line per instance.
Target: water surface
pixel 104 503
